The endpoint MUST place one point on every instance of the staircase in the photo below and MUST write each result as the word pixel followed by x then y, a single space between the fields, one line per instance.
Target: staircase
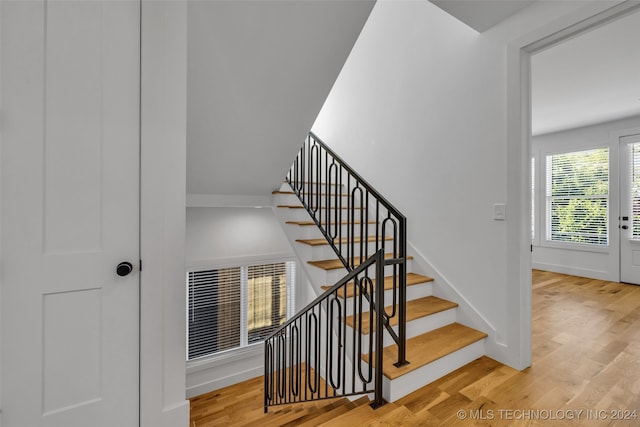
pixel 434 343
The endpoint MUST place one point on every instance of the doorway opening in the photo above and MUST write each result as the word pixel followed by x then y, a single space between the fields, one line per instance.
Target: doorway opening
pixel 582 103
pixel 519 150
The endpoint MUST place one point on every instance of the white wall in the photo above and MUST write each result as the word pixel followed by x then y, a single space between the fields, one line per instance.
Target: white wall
pixel 217 234
pixel 599 263
pixel 232 236
pixel 420 110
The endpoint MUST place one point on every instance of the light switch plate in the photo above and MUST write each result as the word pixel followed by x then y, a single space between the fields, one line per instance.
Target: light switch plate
pixel 499 211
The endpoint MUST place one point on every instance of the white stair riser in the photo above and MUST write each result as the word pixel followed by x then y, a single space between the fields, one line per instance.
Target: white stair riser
pixel 291 214
pixel 323 187
pixel 413 292
pixel 292 199
pixel 327 252
pixel 313 232
pixel 304 232
pixel 401 386
pixel 332 276
pixel 301 214
pixel 420 326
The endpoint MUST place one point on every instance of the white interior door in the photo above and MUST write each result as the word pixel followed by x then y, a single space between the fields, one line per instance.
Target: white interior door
pixel 70 212
pixel 630 209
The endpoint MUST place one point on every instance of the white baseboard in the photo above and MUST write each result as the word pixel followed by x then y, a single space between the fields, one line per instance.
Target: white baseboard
pixel 217 383
pixel 574 271
pixel 225 369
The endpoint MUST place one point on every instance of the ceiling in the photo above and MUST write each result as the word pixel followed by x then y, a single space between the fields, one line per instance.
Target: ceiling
pixel 258 73
pixel 481 14
pixel 590 79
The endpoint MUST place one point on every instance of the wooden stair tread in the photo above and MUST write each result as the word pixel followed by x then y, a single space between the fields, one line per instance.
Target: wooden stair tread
pixel 323 207
pixel 308 223
pixel 321 183
pixel 416 309
pixel 291 193
pixel 412 279
pixel 334 264
pixel 428 347
pixel 344 240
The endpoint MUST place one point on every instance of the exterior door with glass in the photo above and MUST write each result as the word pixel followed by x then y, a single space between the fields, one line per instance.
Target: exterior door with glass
pixel 630 209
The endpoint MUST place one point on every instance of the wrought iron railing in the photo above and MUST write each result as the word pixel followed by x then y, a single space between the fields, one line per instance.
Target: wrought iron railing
pixel 356 221
pixel 315 355
pixel 307 358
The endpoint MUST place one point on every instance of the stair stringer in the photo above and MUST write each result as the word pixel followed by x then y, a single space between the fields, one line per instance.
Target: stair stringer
pixel 302 260
pixel 467 314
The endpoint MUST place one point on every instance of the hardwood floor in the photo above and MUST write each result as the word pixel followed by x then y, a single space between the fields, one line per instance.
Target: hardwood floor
pixel 585 372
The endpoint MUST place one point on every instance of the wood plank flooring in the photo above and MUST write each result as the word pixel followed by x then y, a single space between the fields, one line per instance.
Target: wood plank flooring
pixel 586 357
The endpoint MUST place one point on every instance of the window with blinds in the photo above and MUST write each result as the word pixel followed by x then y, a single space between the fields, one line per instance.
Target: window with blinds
pixel 578 197
pixel 234 307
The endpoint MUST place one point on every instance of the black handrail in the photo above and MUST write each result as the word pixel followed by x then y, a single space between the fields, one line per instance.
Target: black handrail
pixel 352 210
pixel 298 351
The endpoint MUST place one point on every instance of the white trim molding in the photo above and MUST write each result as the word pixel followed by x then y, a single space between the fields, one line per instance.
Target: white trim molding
pixel 162 213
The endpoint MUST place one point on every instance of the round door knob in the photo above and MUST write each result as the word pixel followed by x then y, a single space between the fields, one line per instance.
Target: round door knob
pixel 124 268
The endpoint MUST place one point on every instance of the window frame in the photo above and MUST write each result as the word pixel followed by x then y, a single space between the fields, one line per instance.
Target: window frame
pixel 544 206
pixel 535 225
pixel 246 349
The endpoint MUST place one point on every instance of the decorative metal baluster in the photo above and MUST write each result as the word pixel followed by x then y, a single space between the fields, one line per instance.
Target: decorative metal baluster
pixel 391 221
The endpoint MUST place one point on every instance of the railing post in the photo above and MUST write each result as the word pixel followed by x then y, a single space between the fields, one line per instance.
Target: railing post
pixel 266 372
pixel 402 312
pixel 379 307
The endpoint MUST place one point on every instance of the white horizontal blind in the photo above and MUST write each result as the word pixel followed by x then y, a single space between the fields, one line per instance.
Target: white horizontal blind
pixel 234 307
pixel 214 311
pixel 578 197
pixel 266 299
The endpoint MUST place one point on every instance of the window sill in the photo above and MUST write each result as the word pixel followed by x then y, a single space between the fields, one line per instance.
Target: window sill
pixel 575 247
pixel 225 357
